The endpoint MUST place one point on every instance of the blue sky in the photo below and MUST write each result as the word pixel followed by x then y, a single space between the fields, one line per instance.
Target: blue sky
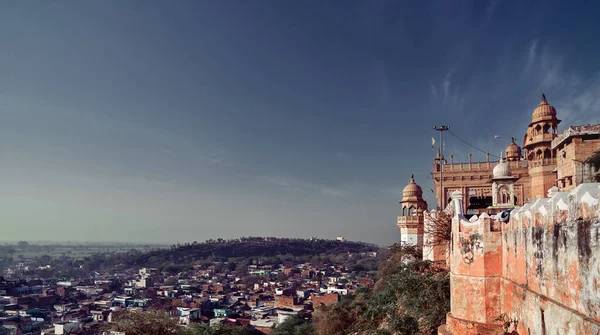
pixel 176 121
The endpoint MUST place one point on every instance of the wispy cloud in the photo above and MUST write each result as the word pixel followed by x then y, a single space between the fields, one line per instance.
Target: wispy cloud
pixel 453 95
pixel 434 93
pixel 531 55
pixel 446 85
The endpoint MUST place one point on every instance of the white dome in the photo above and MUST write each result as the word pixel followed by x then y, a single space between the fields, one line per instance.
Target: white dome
pixel 502 170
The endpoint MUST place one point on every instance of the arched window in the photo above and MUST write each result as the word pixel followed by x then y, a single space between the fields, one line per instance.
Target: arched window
pixel 411 211
pixel 538 129
pixel 538 154
pixel 403 211
pixel 546 129
pixel 503 195
pixel 547 153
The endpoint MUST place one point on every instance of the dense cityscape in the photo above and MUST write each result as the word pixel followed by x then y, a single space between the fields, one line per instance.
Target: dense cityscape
pixel 40 295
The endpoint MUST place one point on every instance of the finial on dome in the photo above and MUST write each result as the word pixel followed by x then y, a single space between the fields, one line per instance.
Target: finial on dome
pixel 412 178
pixel 513 140
pixel 544 101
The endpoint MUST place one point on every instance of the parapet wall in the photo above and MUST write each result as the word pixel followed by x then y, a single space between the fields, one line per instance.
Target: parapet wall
pixel 551 263
pixel 541 269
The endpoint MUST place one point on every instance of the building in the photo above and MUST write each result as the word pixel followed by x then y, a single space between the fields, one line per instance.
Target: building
pixel 411 220
pixel 534 169
pixel 573 147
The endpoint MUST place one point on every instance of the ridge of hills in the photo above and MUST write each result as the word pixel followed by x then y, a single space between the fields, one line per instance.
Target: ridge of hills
pixel 220 249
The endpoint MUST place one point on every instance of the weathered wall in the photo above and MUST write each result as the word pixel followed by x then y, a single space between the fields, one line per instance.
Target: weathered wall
pixel 551 264
pixel 475 274
pixel 541 269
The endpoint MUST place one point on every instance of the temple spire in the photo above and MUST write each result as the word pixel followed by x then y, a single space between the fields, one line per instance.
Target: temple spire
pixel 544 101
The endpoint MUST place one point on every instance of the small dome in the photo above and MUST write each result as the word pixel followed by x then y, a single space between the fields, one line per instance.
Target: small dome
pixel 513 151
pixel 412 191
pixel 544 111
pixel 502 170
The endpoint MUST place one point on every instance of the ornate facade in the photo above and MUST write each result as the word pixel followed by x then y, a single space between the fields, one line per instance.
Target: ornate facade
pixel 533 169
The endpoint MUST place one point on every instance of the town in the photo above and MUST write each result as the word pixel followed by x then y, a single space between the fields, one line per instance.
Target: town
pixel 259 296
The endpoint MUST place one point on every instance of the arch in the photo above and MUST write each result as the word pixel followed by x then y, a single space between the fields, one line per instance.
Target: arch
pixel 538 129
pixel 503 195
pixel 411 210
pixel 538 154
pixel 547 128
pixel 547 153
pixel 404 210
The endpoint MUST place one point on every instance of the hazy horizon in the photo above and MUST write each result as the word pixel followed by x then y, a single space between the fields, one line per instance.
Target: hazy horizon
pixel 148 121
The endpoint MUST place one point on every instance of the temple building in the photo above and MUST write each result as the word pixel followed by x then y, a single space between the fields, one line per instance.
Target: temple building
pixel 411 220
pixel 546 159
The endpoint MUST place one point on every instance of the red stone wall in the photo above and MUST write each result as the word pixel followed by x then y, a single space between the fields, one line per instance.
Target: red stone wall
pixel 284 301
pixel 541 269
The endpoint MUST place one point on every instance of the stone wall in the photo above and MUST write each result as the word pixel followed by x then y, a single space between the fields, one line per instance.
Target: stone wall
pixel 540 270
pixel 551 264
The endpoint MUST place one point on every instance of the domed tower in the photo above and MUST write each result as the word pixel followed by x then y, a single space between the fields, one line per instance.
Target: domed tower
pixel 503 187
pixel 513 151
pixel 411 220
pixel 537 144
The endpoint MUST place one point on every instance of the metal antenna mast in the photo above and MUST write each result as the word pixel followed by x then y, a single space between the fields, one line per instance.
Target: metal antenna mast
pixel 441 129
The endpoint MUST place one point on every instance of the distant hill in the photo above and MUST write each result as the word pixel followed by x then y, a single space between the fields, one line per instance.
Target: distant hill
pixel 246 247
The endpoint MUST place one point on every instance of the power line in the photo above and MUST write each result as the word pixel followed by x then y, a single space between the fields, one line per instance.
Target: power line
pixel 472 146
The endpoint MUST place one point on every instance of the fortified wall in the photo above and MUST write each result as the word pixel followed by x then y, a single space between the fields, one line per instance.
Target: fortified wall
pixel 538 273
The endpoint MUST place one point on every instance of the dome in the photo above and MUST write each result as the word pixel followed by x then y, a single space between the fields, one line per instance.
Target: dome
pixel 502 170
pixel 544 111
pixel 513 151
pixel 412 191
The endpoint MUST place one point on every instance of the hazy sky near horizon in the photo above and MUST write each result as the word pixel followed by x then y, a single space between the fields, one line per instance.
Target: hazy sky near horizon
pixel 158 121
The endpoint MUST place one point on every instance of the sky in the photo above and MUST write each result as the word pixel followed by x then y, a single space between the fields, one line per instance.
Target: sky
pixel 157 121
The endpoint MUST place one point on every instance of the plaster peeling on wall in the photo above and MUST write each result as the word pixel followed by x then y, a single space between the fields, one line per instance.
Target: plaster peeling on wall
pixel 542 268
pixel 471 247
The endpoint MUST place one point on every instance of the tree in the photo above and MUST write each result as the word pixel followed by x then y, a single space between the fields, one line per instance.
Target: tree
pixel 200 329
pixel 152 322
pixel 171 281
pixel 241 268
pixel 294 325
pixel 439 228
pixel 45 259
pixel 594 161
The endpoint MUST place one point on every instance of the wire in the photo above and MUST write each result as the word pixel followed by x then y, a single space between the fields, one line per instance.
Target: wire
pixel 472 146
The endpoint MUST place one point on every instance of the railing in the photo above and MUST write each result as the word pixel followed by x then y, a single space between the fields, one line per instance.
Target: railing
pixel 547 137
pixel 542 162
pixel 408 219
pixel 479 166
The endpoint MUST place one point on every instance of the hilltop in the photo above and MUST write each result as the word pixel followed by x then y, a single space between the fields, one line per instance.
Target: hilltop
pixel 250 247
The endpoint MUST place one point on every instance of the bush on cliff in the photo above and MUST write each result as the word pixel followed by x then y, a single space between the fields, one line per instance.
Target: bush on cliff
pixel 410 297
